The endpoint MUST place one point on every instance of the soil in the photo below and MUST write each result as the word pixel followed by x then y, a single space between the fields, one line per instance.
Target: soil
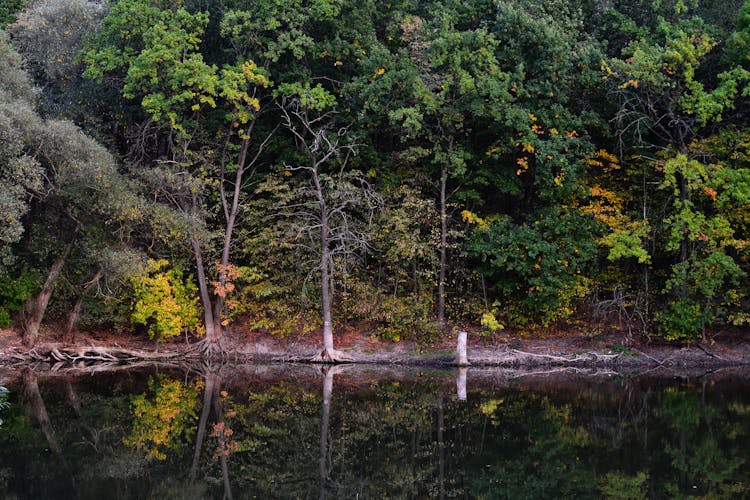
pixel 549 348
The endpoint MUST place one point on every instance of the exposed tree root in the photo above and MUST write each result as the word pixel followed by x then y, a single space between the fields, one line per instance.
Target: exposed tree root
pixel 208 349
pixel 92 354
pixel 332 356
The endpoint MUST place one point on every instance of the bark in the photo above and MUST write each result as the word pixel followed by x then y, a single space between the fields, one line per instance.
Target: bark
pixel 328 354
pixel 443 244
pixel 325 272
pixel 230 213
pixel 71 326
pixel 37 306
pixel 212 341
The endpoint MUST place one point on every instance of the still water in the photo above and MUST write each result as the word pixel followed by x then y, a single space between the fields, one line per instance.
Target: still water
pixel 299 432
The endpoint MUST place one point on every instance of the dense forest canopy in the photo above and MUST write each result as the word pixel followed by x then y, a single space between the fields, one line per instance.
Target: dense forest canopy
pixel 176 166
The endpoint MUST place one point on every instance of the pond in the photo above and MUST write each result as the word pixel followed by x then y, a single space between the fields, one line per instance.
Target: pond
pixel 283 431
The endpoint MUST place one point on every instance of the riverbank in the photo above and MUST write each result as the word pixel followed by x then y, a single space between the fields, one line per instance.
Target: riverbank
pixel 558 349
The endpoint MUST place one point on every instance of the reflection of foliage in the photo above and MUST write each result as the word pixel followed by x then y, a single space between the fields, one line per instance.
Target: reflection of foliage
pixel 695 447
pixel 164 418
pixel 3 400
pixel 612 440
pixel 536 450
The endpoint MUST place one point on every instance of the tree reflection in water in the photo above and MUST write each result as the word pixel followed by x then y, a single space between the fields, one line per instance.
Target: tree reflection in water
pixel 228 434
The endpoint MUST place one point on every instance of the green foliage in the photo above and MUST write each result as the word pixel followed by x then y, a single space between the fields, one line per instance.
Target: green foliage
pixel 682 321
pixel 164 417
pixel 165 301
pixel 270 308
pixel 589 146
pixel 616 485
pixel 388 317
pixel 14 292
pixel 8 11
pixel 156 50
pixel 20 171
pixel 539 270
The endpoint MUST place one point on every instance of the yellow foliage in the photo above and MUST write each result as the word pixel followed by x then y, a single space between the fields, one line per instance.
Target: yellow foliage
pixel 490 323
pixel 473 218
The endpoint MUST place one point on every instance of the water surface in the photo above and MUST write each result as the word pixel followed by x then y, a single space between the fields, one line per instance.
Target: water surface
pixel 299 432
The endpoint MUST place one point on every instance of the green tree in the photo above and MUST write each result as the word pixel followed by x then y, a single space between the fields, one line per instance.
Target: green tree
pixel 155 50
pixel 443 87
pixel 665 99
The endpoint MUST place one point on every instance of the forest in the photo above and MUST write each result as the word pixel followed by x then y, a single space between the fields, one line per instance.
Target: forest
pixel 171 168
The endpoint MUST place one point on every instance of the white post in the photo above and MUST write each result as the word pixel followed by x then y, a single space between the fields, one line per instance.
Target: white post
pixel 461 359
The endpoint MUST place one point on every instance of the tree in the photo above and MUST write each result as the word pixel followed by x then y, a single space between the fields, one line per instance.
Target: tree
pixel 666 99
pixel 20 172
pixel 449 90
pixel 328 200
pixel 154 50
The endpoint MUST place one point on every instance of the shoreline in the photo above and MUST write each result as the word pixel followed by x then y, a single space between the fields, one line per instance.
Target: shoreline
pixel 503 356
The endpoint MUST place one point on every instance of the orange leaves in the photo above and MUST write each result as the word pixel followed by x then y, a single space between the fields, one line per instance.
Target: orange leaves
pixel 711 193
pixel 227 275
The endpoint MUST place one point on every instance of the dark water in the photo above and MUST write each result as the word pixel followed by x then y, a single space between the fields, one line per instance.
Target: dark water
pixel 291 432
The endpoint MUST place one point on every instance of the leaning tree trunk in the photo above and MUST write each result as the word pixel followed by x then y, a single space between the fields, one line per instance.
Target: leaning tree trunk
pixel 71 327
pixel 37 306
pixel 214 331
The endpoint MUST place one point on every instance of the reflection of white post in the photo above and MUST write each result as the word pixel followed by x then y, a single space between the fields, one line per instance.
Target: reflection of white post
pixel 461 383
pixel 461 359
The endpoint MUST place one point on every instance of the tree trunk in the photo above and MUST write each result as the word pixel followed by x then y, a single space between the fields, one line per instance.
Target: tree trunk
pixel 684 255
pixel 230 213
pixel 69 336
pixel 213 331
pixel 328 354
pixel 325 285
pixel 443 244
pixel 37 306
